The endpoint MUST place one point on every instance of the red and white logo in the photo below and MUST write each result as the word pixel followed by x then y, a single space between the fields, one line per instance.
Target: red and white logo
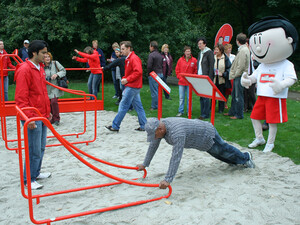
pixel 265 78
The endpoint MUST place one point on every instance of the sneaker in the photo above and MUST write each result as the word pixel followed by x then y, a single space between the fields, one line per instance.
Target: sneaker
pixel 257 142
pixel 43 176
pixel 268 148
pixel 179 114
pixel 35 185
pixel 139 129
pixel 115 96
pixel 111 129
pixel 250 163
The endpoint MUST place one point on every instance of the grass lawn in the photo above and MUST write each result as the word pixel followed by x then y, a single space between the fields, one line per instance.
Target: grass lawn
pixel 287 142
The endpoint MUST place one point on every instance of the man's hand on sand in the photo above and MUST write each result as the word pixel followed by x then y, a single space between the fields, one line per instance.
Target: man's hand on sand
pixel 140 167
pixel 163 184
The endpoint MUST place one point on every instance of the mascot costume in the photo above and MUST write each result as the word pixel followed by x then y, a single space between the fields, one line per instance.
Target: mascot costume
pixel 272 40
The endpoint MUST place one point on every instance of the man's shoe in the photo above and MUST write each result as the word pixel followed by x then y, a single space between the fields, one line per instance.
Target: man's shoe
pixel 257 142
pixel 35 185
pixel 268 148
pixel 115 96
pixel 202 118
pixel 56 123
pixel 169 98
pixel 179 114
pixel 139 129
pixel 152 109
pixel 250 163
pixel 111 128
pixel 43 176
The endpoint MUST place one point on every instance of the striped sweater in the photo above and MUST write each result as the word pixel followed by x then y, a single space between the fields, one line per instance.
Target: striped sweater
pixel 182 133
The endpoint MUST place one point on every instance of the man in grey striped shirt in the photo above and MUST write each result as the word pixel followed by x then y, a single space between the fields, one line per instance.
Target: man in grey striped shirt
pixel 185 133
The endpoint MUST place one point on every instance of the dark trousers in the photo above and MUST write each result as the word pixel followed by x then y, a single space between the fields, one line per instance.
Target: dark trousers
pixel 221 104
pixel 237 101
pixel 54 110
pixel 249 98
pixel 164 78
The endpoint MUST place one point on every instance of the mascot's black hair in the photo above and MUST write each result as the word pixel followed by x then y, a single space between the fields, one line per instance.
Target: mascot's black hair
pixel 271 22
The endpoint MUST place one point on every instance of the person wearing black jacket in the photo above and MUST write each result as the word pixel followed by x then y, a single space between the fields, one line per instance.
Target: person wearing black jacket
pixel 119 64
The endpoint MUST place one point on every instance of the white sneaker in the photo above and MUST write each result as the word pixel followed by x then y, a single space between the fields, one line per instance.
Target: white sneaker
pixel 43 175
pixel 35 185
pixel 268 148
pixel 257 142
pixel 179 114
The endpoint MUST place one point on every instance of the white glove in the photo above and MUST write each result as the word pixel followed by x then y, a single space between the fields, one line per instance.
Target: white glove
pixel 245 81
pixel 278 86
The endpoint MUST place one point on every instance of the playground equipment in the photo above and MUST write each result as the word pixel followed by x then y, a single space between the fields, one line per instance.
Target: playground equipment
pixel 81 104
pixel 10 109
pixel 161 85
pixel 203 87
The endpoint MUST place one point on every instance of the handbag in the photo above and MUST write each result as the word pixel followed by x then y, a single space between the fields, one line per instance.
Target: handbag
pixel 61 81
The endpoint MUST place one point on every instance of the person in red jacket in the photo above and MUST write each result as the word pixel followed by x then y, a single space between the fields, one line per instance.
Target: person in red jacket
pixel 6 64
pixel 133 81
pixel 186 64
pixel 31 91
pixel 91 56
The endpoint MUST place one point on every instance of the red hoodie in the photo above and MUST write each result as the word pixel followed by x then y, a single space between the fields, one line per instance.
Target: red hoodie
pixel 133 71
pixel 31 90
pixel 184 66
pixel 92 59
pixel 6 63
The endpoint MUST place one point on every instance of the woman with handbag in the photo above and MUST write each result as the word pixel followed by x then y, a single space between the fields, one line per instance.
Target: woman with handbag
pixel 221 68
pixel 54 71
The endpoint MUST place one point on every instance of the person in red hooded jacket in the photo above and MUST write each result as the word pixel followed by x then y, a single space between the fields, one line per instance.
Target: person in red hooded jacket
pixel 91 56
pixel 31 91
pixel 6 64
pixel 186 64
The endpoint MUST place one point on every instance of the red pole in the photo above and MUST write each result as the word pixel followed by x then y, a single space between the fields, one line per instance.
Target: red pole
pixel 159 108
pixel 213 106
pixel 190 101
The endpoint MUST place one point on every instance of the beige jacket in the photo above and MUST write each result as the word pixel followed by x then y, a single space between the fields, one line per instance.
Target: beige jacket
pixel 240 63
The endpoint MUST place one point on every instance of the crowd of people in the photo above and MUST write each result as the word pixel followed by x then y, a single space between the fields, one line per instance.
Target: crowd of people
pixel 228 72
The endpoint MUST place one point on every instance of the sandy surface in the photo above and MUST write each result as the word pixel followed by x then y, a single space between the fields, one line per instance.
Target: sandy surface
pixel 205 190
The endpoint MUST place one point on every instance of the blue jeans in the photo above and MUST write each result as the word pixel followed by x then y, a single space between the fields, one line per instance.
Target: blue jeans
pixel 237 101
pixel 226 152
pixel 205 107
pixel 37 142
pixel 154 91
pixel 5 82
pixel 94 83
pixel 130 96
pixel 183 90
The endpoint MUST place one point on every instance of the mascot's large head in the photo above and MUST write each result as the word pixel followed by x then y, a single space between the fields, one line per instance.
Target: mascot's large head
pixel 272 39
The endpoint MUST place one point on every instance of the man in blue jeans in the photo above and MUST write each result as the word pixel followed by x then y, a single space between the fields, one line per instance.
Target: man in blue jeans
pixel 133 81
pixel 155 63
pixel 239 66
pixel 31 91
pixel 186 133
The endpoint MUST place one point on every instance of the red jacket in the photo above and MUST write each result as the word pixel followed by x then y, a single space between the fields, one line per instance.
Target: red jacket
pixel 6 63
pixel 92 59
pixel 31 90
pixel 184 66
pixel 133 71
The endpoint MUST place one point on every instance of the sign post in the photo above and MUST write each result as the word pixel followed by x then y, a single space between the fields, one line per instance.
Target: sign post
pixel 203 86
pixel 161 85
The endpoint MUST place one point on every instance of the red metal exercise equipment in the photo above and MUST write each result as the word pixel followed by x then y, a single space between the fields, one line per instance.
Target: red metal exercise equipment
pixel 74 151
pixel 65 105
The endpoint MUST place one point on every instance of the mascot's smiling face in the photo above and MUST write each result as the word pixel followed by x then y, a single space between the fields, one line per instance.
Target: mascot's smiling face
pixel 271 45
